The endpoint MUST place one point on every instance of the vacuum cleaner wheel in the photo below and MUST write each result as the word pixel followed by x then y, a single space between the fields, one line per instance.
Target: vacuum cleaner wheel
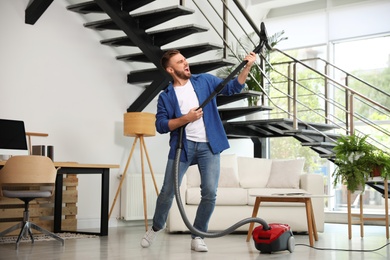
pixel 291 244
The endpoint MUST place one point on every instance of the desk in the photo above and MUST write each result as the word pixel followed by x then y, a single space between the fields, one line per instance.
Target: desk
pixel 77 168
pixel 311 224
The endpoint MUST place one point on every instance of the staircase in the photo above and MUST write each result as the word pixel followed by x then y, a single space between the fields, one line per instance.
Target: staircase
pixel 285 105
pixel 139 32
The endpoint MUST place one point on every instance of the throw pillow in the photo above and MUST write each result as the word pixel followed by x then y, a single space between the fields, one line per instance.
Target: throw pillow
pixel 254 172
pixel 228 178
pixel 285 173
pixel 229 171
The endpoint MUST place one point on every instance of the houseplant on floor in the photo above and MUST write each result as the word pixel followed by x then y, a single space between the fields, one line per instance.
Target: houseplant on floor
pixel 352 158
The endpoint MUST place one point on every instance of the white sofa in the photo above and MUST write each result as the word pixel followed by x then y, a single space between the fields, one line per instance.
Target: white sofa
pixel 241 176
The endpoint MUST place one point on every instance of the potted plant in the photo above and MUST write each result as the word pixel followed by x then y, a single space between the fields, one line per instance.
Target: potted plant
pixel 380 163
pixel 352 158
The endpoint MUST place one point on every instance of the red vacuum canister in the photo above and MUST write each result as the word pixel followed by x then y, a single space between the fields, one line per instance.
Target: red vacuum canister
pixel 278 237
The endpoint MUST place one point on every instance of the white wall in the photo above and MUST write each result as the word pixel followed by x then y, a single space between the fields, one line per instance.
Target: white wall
pixel 58 79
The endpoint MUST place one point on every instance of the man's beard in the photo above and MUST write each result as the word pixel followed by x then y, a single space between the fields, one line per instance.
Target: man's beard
pixel 182 74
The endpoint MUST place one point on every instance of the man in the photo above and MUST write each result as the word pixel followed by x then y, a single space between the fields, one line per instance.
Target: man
pixel 204 137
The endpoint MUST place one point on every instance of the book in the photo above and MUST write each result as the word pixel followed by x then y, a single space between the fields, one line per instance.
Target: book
pixel 291 194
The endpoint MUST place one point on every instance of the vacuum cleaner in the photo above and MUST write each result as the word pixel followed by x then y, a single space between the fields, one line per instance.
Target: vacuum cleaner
pixel 267 238
pixel 278 237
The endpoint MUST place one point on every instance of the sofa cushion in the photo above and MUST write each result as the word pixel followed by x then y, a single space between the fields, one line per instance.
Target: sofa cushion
pixel 285 173
pixel 228 178
pixel 225 196
pixel 228 175
pixel 253 172
pixel 229 171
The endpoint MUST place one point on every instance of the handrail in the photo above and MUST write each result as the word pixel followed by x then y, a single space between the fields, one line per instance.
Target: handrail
pixel 343 71
pixel 347 123
pixel 334 81
pixel 296 119
pixel 350 102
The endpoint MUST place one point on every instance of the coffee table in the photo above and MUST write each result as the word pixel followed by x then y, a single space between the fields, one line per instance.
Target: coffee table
pixel 288 197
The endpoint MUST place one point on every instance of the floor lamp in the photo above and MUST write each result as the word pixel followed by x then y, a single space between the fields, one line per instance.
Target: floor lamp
pixel 138 125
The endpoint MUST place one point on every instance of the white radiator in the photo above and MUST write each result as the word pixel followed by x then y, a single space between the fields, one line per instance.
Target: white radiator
pixel 132 207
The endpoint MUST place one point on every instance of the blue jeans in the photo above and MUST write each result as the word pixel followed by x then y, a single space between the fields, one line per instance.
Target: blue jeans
pixel 209 168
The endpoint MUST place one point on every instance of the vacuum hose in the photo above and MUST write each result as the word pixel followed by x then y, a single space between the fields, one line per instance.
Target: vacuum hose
pixel 183 214
pixel 263 41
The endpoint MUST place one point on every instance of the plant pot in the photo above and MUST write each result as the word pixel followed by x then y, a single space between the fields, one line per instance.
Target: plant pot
pixel 376 171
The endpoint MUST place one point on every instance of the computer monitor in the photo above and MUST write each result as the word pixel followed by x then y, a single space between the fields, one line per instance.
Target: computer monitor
pixel 12 138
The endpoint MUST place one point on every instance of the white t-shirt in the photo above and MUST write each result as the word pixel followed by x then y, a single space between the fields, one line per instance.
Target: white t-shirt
pixel 195 131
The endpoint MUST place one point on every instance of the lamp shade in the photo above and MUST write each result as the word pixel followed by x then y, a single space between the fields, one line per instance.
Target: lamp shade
pixel 139 123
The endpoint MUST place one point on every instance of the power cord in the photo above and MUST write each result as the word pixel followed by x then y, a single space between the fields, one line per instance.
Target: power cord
pixel 344 250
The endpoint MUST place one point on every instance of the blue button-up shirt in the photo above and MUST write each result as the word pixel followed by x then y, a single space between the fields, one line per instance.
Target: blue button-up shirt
pixel 168 108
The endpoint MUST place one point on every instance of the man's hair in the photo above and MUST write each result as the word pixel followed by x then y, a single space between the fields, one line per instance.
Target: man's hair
pixel 167 56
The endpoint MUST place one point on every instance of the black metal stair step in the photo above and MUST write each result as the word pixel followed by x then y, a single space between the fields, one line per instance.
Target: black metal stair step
pixel 142 76
pixel 322 144
pixel 323 151
pixel 145 20
pixel 235 112
pixel 165 36
pixel 278 127
pixel 308 128
pixel 160 37
pixel 285 124
pixel 106 24
pixel 118 41
pixel 223 100
pixel 238 131
pixel 311 136
pixel 330 157
pixel 150 19
pixel 259 128
pixel 187 51
pixel 93 7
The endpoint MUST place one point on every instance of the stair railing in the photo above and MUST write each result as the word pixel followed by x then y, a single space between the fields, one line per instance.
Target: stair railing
pixel 348 105
pixel 296 105
pixel 267 100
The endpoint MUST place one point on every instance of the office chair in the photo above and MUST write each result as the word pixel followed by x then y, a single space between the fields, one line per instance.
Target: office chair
pixel 28 177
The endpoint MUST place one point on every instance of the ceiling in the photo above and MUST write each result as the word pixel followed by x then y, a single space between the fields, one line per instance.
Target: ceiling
pixel 276 8
pixel 270 4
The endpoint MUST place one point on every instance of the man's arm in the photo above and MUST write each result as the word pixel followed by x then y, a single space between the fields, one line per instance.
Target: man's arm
pixel 251 58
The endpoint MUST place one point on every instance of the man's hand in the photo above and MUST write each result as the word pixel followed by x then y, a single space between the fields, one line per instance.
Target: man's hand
pixel 194 114
pixel 250 58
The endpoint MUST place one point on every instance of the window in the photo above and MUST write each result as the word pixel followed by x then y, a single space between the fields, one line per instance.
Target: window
pixel 367 59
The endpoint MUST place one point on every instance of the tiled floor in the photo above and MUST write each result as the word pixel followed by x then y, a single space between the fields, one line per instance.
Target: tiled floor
pixel 124 243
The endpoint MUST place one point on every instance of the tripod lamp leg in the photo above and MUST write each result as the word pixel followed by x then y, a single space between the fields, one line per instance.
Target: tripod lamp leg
pixel 123 176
